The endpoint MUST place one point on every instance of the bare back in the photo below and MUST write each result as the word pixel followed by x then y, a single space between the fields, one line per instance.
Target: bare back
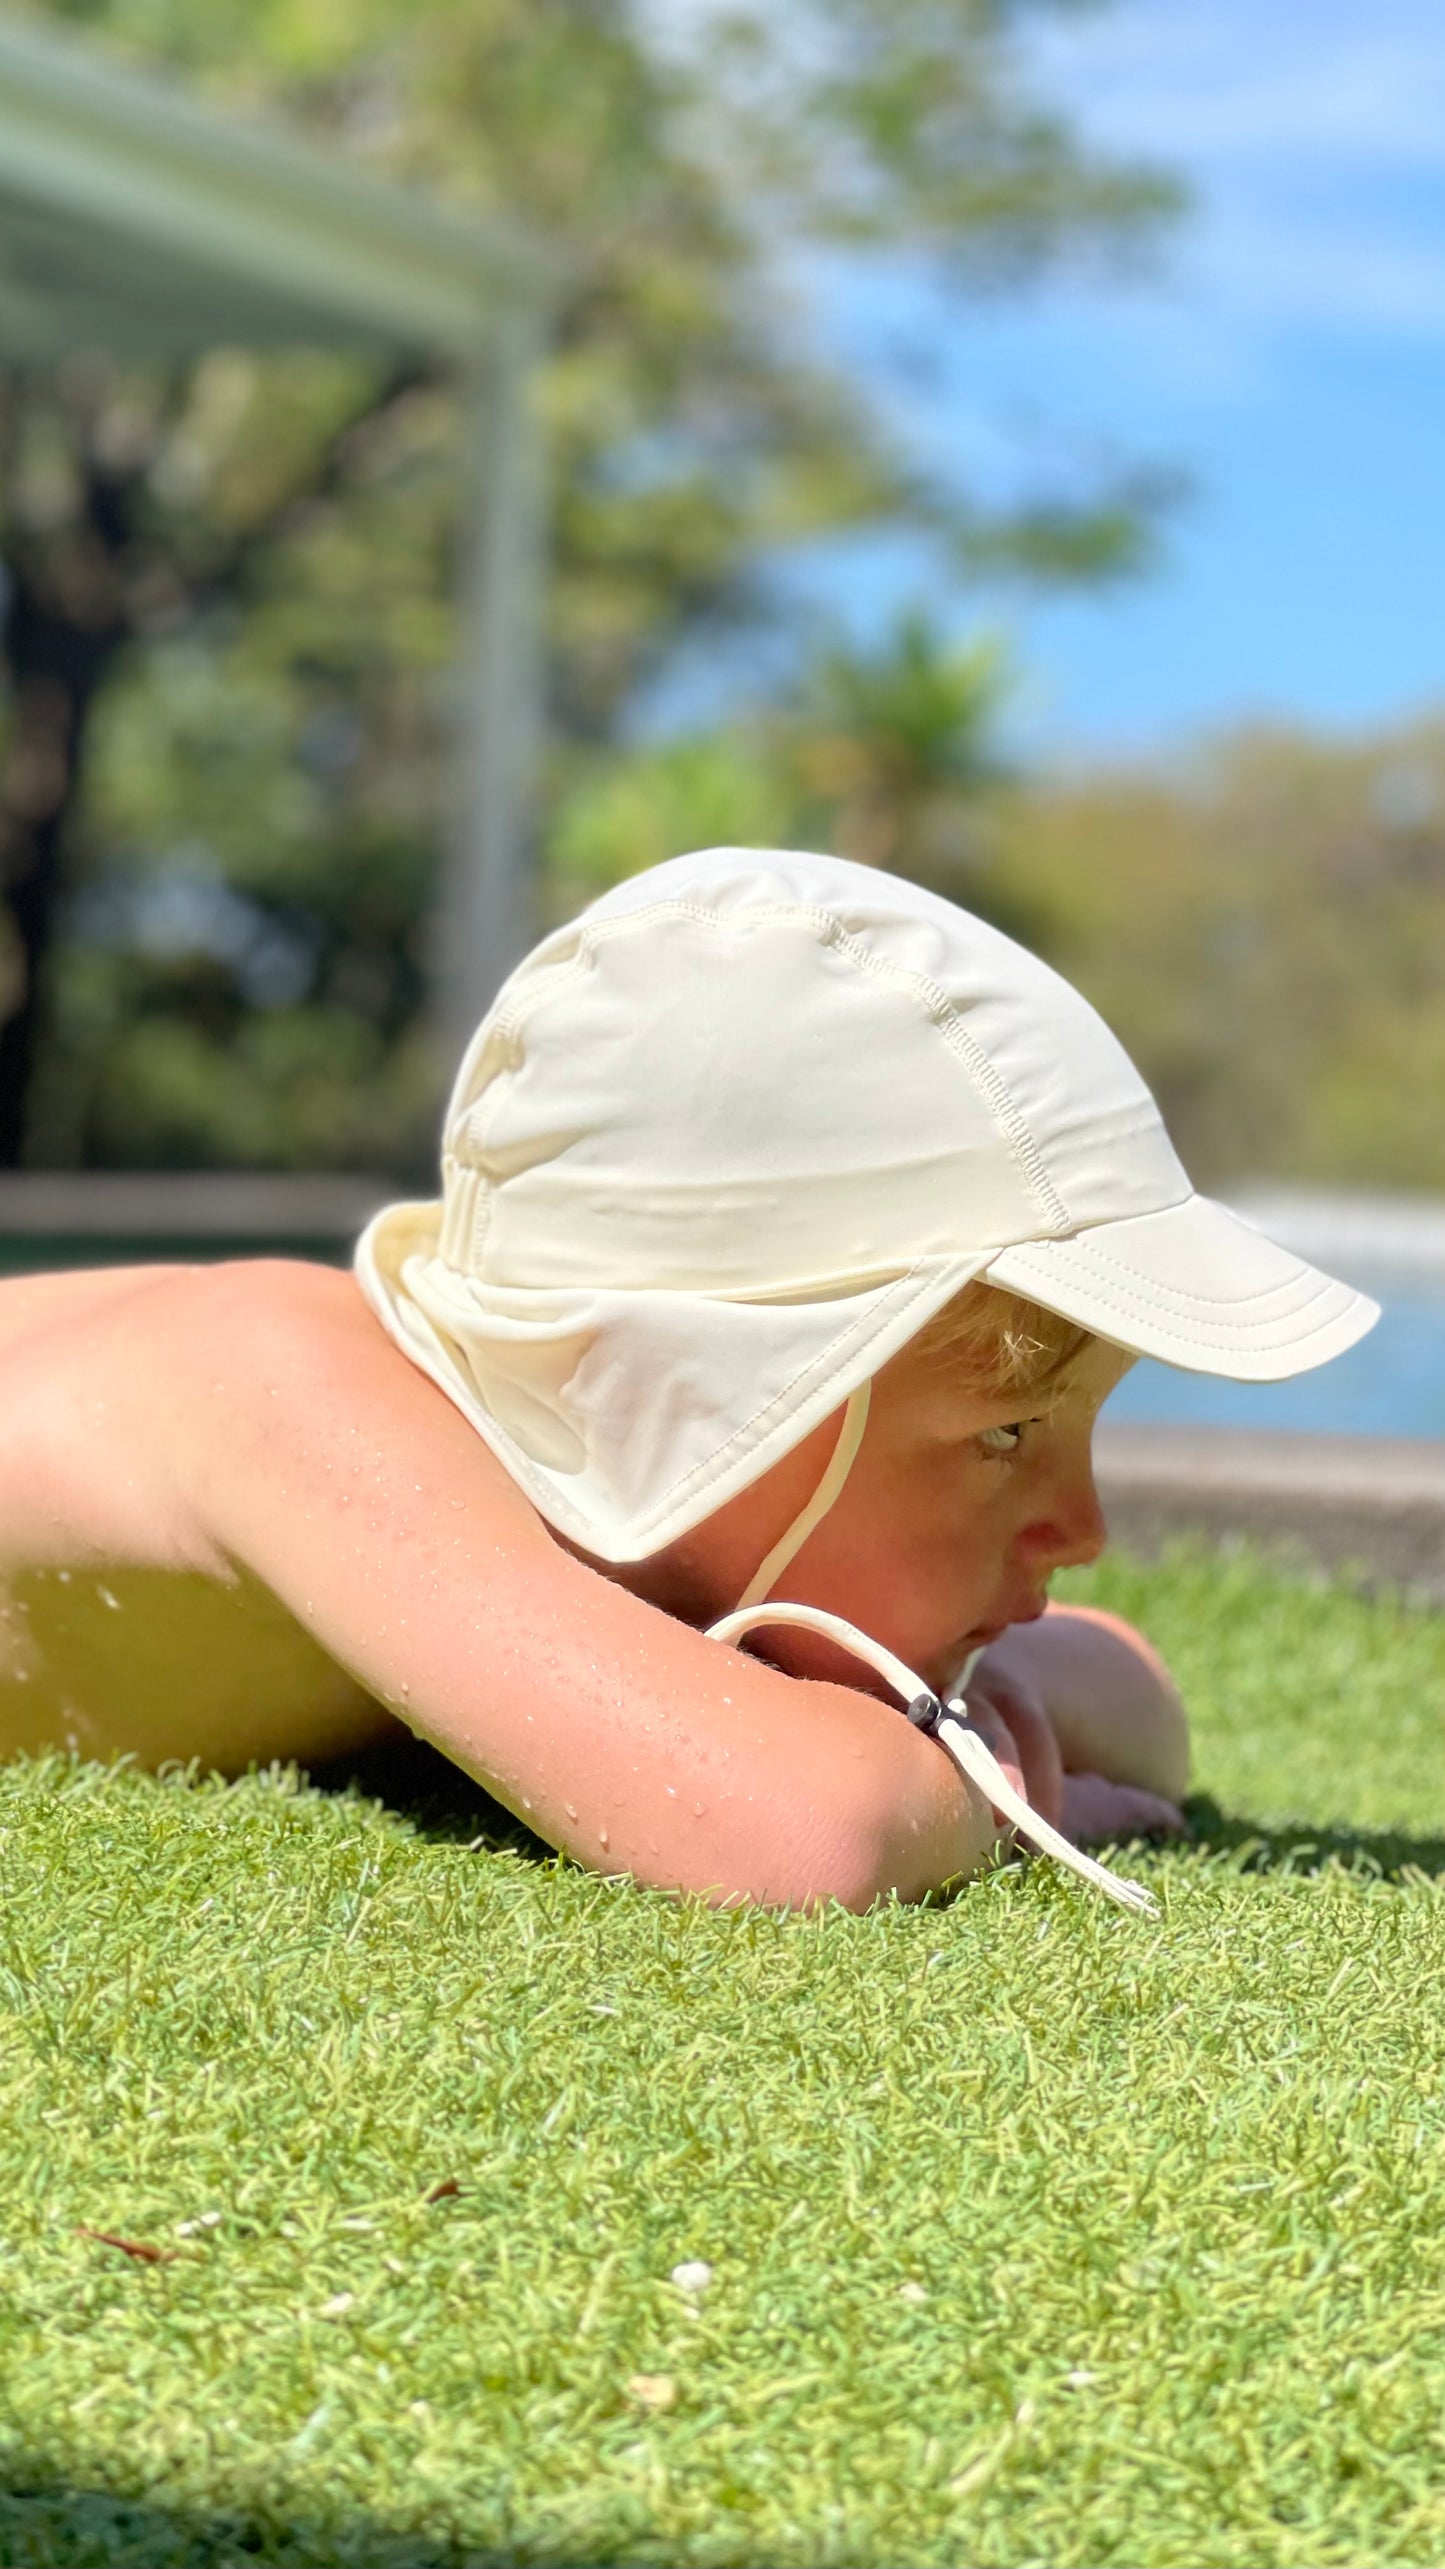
pixel 121 1631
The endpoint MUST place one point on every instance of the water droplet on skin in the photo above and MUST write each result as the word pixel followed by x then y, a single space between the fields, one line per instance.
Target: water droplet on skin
pixel 603 1839
pixel 405 1688
pixel 571 1810
pixel 698 1809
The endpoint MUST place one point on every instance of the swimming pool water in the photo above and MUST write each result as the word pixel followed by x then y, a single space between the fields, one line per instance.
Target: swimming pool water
pixel 1391 1384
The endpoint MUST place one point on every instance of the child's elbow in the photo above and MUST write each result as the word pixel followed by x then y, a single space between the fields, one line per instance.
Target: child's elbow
pixel 841 1862
pixel 897 1828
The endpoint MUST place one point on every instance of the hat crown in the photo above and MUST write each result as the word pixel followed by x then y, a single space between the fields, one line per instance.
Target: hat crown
pixel 724 1145
pixel 756 1072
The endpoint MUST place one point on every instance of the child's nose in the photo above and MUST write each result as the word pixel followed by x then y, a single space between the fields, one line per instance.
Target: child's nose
pixel 1072 1532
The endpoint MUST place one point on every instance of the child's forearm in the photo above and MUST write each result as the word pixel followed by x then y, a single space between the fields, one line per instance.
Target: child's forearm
pixel 820 1795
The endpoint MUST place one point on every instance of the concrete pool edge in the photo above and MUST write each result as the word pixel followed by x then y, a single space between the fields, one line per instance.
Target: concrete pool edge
pixel 1373 1506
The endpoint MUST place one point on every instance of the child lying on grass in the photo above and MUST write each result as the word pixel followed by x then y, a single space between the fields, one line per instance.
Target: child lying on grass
pixel 765 1155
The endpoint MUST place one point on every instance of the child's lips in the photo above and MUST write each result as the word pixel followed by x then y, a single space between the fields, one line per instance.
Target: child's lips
pixel 985 1633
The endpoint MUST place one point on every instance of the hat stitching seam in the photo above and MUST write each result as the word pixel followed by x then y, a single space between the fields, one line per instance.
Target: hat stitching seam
pixel 759 1423
pixel 995 1089
pixel 1188 1304
pixel 704 1476
pixel 939 1008
pixel 1087 1253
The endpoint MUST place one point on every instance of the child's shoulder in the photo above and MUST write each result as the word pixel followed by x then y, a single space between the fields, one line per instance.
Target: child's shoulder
pixel 156 1402
pixel 238 1310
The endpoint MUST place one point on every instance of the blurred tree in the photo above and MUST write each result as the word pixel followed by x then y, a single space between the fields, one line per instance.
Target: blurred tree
pixel 227 625
pixel 893 746
pixel 885 754
pixel 1265 928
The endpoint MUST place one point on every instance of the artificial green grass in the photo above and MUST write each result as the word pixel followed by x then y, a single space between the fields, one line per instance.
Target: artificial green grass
pixel 1038 2233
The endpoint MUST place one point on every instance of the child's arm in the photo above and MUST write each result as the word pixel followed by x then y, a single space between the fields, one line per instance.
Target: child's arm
pixel 317 1456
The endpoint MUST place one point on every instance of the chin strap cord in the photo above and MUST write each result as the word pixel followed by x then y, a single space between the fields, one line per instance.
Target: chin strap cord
pixel 949 1724
pixel 840 1464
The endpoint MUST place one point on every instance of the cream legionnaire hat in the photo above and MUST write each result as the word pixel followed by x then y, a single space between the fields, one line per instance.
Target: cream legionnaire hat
pixel 722 1146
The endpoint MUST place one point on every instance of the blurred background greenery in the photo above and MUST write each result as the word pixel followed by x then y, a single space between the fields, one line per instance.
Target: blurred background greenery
pixel 229 607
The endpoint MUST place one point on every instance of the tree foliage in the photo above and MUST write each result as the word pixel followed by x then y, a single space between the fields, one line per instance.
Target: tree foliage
pixel 229 624
pixel 885 754
pixel 1265 927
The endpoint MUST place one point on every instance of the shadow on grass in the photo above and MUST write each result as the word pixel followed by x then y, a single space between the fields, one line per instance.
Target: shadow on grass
pixel 419 1784
pixel 1391 1855
pixel 45 2524
pixel 423 1787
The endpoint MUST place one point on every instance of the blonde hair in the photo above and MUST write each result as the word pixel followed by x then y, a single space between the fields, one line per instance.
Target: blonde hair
pixel 1002 1345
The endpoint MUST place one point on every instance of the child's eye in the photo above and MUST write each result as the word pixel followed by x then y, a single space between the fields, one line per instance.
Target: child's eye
pixel 1004 1440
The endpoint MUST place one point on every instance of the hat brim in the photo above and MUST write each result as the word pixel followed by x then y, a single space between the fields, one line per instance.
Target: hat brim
pixel 1194 1286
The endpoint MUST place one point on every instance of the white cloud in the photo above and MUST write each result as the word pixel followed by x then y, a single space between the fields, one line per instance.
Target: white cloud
pixel 1312 133
pixel 1324 273
pixel 1219 81
pixel 1315 149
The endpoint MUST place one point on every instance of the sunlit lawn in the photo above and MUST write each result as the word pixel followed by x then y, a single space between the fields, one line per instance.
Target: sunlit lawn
pixel 1037 2233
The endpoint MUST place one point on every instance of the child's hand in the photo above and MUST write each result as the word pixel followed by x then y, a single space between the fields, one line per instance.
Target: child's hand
pixel 1089 1808
pixel 1099 1813
pixel 1018 1730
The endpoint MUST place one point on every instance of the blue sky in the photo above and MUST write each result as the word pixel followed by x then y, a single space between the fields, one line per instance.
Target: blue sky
pixel 1289 356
